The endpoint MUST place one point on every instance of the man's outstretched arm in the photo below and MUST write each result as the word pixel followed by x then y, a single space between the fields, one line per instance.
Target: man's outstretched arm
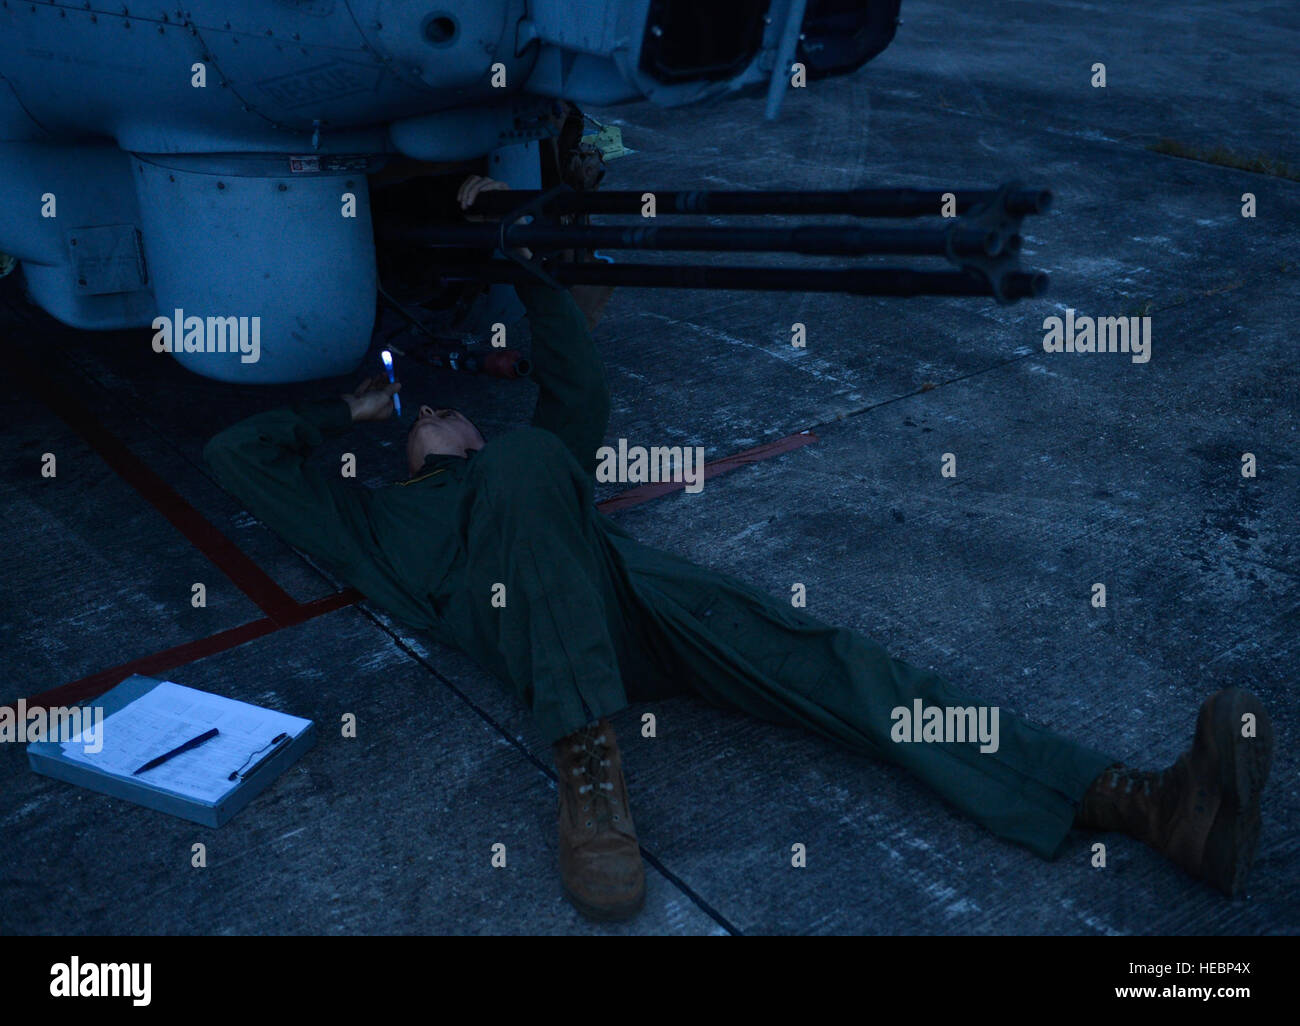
pixel 573 396
pixel 573 399
pixel 263 462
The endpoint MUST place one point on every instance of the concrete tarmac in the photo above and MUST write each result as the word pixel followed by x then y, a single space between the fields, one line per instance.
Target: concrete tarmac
pixel 1072 469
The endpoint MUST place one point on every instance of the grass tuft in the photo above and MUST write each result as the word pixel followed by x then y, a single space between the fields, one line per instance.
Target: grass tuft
pixel 1224 157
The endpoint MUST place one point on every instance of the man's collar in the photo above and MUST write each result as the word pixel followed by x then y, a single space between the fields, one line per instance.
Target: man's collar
pixel 438 460
pixel 442 461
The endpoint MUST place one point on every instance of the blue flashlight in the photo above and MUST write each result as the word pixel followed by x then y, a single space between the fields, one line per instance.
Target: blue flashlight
pixel 387 357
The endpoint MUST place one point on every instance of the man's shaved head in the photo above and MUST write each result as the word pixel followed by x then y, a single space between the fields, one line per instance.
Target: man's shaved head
pixel 444 432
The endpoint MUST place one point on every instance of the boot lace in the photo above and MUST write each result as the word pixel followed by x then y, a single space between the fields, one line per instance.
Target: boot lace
pixel 1139 802
pixel 1127 779
pixel 596 789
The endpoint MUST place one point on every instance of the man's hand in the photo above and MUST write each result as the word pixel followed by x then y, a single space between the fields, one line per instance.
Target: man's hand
pixel 373 398
pixel 468 192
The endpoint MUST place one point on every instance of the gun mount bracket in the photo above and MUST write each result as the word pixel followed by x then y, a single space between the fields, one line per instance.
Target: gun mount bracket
pixel 534 209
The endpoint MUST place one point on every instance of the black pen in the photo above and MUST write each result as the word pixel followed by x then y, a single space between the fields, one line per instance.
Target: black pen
pixel 205 736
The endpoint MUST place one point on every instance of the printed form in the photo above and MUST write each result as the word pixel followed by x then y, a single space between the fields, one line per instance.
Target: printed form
pixel 170 715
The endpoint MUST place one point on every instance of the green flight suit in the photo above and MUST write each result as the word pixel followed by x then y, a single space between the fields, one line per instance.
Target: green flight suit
pixel 592 619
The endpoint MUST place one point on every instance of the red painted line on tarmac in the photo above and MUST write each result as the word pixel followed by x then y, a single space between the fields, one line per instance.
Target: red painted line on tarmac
pixel 169 659
pixel 246 575
pixel 644 493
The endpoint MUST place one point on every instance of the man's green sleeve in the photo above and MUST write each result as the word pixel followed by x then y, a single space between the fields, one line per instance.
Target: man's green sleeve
pixel 263 462
pixel 573 399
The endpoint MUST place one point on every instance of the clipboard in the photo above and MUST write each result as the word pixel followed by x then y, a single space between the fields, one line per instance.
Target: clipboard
pixel 49 759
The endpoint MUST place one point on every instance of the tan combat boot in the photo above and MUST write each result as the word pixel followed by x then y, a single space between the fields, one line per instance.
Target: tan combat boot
pixel 600 860
pixel 1202 812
